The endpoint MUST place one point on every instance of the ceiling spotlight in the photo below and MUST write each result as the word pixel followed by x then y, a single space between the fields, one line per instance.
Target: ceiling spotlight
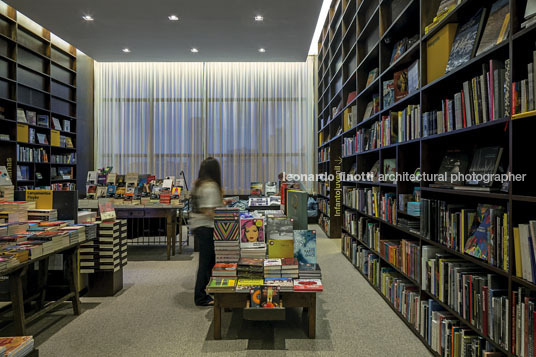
pixel 88 17
pixel 173 18
pixel 194 50
pixel 259 18
pixel 126 50
pixel 262 50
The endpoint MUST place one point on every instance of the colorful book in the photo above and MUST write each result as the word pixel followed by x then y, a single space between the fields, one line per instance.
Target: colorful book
pixel 305 248
pixel 252 232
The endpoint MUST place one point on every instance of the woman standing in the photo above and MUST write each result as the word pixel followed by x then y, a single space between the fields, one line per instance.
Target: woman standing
pixel 207 195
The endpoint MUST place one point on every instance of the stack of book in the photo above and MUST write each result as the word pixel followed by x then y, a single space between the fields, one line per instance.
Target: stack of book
pixel 289 268
pixel 284 284
pixel 308 273
pixel 17 346
pixel 250 268
pixel 245 285
pixel 272 268
pixel 7 261
pixel 43 214
pixel 224 270
pixel 226 235
pixel 123 242
pixel 7 192
pixel 109 246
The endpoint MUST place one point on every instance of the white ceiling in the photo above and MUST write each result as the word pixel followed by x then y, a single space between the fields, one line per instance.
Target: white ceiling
pixel 222 30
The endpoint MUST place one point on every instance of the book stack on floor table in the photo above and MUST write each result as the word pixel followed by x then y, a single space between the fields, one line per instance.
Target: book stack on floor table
pixel 268 269
pixel 226 235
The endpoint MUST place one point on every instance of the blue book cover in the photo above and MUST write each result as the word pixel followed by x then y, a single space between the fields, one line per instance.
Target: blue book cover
pixel 532 259
pixel 433 306
pixel 305 248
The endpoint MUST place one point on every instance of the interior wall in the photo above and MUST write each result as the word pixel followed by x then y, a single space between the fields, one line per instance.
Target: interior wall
pixel 85 119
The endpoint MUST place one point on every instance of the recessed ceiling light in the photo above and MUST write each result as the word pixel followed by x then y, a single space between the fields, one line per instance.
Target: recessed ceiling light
pixel 173 18
pixel 126 50
pixel 194 50
pixel 88 17
pixel 259 18
pixel 262 50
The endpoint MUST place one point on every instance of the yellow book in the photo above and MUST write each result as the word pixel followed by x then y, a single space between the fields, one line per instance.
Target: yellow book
pixel 517 253
pixel 54 138
pixel 438 52
pixel 346 120
pixel 280 248
pixel 475 102
pixel 22 133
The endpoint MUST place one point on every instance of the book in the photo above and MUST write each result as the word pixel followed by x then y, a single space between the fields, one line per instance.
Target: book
pixel 413 77
pixel 388 93
pixel 296 208
pixel 305 248
pixel 530 9
pixel 66 125
pixel 221 269
pixel 351 97
pixel 56 124
pixel 389 170
pixel 399 49
pixel 221 284
pixel 42 120
pixel 478 243
pixel 497 27
pixel 453 165
pixel 269 297
pixel 439 47
pixel 465 42
pixel 373 74
pixel 245 285
pixel 284 284
pixel 21 116
pixel 255 188
pixel 368 110
pixel 31 117
pixel 485 161
pixel 308 285
pixel 401 84
pixel 255 296
pixel 252 232
pixel 282 246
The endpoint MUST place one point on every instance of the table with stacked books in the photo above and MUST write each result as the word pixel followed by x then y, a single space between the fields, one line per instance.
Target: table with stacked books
pixel 25 239
pixel 264 265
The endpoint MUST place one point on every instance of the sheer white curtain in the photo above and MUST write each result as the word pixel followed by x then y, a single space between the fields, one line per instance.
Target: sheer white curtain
pixel 149 117
pixel 256 118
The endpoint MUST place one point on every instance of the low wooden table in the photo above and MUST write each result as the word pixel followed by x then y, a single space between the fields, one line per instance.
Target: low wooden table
pixel 305 299
pixel 171 214
pixel 16 273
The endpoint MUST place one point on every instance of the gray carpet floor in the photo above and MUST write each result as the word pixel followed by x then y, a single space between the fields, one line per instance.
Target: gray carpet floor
pixel 154 315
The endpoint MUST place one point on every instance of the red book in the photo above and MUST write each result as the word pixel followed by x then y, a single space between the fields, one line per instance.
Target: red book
pixel 165 197
pixel 351 97
pixel 308 285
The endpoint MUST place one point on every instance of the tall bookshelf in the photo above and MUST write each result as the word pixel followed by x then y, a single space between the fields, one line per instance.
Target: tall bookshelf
pixel 37 74
pixel 358 36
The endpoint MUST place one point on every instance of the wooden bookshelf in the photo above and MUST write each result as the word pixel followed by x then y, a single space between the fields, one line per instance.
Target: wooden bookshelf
pixel 37 74
pixel 358 36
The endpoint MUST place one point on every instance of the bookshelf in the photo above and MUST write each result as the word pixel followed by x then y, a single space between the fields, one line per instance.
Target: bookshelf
pixel 37 76
pixel 358 37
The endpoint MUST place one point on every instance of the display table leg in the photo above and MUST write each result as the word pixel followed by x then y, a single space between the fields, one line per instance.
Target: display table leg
pixel 72 273
pixel 17 300
pixel 312 316
pixel 217 318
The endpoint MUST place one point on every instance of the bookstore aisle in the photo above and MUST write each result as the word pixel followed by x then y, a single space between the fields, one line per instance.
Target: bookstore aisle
pixel 155 316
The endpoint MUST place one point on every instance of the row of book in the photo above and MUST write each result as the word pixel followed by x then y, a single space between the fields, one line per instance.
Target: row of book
pixel 483 99
pixel 404 255
pixel 482 232
pixel 63 159
pixel 370 201
pixel 525 251
pixel 28 154
pixel 404 82
pixel 264 293
pixel 523 91
pixel 323 205
pixel 477 296
pixel 323 154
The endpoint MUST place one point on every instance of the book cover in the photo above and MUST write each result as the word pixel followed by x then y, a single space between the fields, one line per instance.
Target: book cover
pixel 388 93
pixel 373 74
pixel 399 49
pixel 351 97
pixel 297 208
pixel 281 248
pixel 42 120
pixel 485 161
pixel 413 77
pixel 305 248
pixel 478 243
pixel 497 26
pixel 106 210
pixel 255 296
pixel 401 84
pixel 454 163
pixel 255 189
pixel 438 47
pixel 251 232
pixel 308 285
pixel 269 297
pixel 31 117
pixel 21 116
pixel 245 285
pixel 464 45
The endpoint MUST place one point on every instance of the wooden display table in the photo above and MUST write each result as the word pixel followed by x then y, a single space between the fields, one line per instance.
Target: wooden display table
pixel 305 299
pixel 170 213
pixel 18 301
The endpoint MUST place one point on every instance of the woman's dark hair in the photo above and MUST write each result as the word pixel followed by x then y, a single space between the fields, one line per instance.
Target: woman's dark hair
pixel 209 171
